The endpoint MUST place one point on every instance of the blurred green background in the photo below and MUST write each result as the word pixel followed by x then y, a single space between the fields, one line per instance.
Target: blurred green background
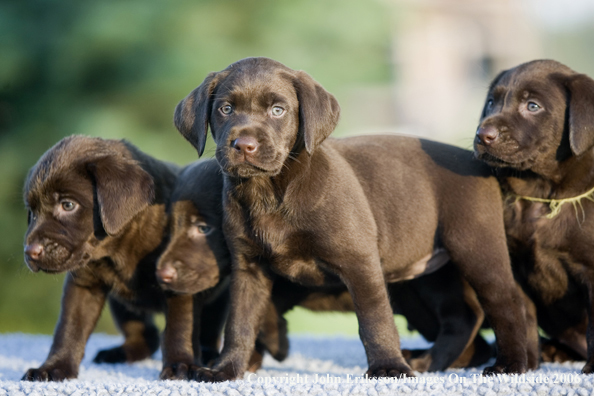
pixel 116 69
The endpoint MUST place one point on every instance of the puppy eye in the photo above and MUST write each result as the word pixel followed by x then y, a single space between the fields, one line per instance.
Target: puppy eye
pixel 277 111
pixel 203 228
pixel 489 104
pixel 227 109
pixel 68 206
pixel 533 106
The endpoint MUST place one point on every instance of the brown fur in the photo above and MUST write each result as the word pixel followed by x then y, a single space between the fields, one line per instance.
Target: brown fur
pixel 198 261
pixel 546 153
pixel 108 243
pixel 440 305
pixel 350 212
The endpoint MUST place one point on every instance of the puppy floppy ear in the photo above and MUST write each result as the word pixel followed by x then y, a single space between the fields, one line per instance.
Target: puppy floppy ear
pixel 191 115
pixel 123 190
pixel 581 113
pixel 318 111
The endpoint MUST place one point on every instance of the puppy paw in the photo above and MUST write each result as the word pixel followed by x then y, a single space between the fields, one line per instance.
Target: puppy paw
pixel 554 352
pixel 178 371
pixel 421 363
pixel 512 368
pixel 113 355
pixel 48 374
pixel 588 368
pixel 203 374
pixel 224 373
pixel 255 361
pixel 394 369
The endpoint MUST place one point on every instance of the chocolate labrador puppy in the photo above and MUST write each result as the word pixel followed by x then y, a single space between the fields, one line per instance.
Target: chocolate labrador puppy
pixel 357 212
pixel 96 209
pixel 197 261
pixel 440 305
pixel 537 132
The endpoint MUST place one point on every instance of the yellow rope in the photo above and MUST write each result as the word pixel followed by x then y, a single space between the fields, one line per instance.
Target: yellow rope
pixel 555 204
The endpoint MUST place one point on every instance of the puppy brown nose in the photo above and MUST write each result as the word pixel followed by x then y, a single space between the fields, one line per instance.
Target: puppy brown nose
pixel 167 274
pixel 34 251
pixel 246 144
pixel 487 135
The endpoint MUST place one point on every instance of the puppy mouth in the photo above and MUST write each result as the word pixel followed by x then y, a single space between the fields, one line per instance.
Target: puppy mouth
pixel 493 156
pixel 57 264
pixel 190 286
pixel 32 265
pixel 245 167
pixel 490 159
pixel 498 162
pixel 50 271
pixel 36 268
pixel 189 281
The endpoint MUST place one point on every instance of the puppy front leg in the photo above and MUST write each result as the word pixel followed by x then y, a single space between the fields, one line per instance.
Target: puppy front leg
pixel 81 308
pixel 376 321
pixel 532 337
pixel 250 293
pixel 589 367
pixel 178 357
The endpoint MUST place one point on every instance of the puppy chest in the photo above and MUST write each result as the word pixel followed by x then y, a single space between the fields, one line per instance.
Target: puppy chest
pixel 545 249
pixel 291 255
pixel 527 223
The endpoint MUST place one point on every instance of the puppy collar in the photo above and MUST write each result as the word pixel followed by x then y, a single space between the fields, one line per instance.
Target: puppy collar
pixel 556 204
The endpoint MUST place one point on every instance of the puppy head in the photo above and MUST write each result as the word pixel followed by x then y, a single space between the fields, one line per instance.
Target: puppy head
pixel 80 191
pixel 259 111
pixel 197 252
pixel 536 114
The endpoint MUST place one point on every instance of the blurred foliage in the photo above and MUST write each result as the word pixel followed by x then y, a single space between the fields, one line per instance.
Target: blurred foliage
pixel 572 47
pixel 116 69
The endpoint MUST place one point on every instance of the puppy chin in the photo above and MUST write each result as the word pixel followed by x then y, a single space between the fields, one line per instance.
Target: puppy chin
pixel 202 286
pixel 504 161
pixel 180 288
pixel 191 285
pixel 494 158
pixel 71 263
pixel 246 170
pixel 489 158
pixel 33 267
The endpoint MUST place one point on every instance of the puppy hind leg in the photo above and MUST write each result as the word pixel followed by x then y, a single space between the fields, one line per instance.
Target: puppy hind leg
pixel 533 345
pixel 436 305
pixel 460 320
pixel 487 269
